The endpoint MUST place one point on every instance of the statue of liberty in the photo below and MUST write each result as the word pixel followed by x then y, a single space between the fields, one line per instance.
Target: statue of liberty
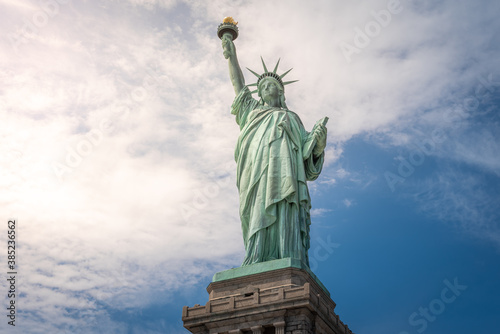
pixel 275 158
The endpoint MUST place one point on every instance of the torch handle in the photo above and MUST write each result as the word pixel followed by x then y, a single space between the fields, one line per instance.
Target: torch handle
pixel 228 35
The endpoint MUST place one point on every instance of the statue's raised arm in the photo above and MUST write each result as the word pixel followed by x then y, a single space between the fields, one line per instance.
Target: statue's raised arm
pixel 235 72
pixel 228 33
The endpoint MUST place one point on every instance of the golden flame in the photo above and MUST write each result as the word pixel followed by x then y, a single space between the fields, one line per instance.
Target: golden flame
pixel 229 19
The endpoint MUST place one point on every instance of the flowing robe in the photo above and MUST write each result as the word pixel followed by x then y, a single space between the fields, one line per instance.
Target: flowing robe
pixel 274 162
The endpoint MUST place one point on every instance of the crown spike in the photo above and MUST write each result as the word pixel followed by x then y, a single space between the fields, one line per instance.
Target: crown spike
pixel 254 91
pixel 276 67
pixel 281 76
pixel 272 74
pixel 257 75
pixel 264 64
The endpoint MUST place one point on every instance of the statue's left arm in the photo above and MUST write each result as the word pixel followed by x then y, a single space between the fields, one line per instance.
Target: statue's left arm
pixel 320 134
pixel 313 151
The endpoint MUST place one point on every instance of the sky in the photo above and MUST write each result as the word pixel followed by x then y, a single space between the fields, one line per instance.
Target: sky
pixel 117 158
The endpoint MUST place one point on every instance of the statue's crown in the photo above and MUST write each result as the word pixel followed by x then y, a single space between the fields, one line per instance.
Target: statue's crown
pixel 268 74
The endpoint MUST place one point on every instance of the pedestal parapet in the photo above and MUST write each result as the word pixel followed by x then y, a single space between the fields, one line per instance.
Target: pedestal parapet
pixel 282 300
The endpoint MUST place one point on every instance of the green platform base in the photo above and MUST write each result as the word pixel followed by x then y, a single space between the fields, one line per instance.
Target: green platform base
pixel 264 267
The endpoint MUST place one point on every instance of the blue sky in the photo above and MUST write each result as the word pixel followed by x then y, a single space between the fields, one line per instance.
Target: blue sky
pixel 117 157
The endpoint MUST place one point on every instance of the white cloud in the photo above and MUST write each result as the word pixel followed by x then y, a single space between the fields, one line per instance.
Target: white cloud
pixel 342 173
pixel 153 4
pixel 348 202
pixel 328 181
pixel 319 212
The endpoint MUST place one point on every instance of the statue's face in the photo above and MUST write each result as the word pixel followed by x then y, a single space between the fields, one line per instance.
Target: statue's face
pixel 269 91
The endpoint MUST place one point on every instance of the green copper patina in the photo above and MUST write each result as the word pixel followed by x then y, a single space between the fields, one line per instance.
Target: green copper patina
pixel 275 158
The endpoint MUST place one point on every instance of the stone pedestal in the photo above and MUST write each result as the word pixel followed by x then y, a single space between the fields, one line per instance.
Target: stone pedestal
pixel 283 298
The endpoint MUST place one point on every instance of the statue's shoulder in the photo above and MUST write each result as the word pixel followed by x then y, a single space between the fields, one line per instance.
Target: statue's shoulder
pixel 295 116
pixel 243 101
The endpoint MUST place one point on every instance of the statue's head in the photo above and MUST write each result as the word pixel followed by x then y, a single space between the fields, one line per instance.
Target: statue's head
pixel 270 86
pixel 271 92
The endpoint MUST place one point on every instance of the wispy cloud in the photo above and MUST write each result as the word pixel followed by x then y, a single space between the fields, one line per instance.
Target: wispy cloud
pixel 463 200
pixel 319 212
pixel 348 202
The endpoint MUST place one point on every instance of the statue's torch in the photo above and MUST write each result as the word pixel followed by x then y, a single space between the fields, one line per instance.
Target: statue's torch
pixel 228 28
